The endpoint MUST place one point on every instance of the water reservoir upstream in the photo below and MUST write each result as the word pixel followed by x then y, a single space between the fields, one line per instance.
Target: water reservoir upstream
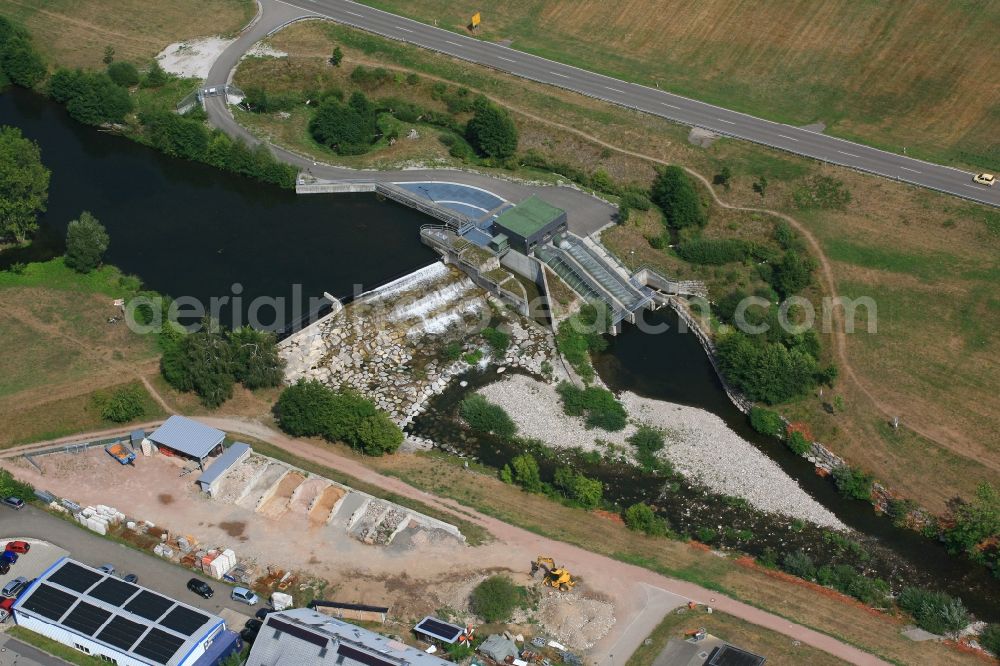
pixel 187 229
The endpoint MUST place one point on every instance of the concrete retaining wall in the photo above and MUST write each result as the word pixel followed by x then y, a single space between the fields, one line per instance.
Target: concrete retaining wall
pixel 333 188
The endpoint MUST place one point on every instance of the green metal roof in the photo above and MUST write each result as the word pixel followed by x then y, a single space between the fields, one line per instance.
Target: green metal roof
pixel 528 217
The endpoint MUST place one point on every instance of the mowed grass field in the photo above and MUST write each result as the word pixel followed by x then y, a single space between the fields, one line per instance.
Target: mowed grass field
pixel 60 353
pixel 923 74
pixel 929 260
pixel 74 33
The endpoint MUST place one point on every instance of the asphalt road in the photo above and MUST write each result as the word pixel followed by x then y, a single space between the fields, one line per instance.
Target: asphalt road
pixel 95 550
pixel 673 107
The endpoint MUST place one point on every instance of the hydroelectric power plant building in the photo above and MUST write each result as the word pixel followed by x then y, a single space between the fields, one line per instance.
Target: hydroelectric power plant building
pixel 121 623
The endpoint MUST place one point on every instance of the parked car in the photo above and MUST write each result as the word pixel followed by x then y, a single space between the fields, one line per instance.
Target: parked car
pixel 5 609
pixel 18 546
pixel 130 578
pixel 263 613
pixel 4 567
pixel 8 556
pixel 201 588
pixel 13 502
pixel 250 630
pixel 986 179
pixel 245 595
pixel 107 568
pixel 14 587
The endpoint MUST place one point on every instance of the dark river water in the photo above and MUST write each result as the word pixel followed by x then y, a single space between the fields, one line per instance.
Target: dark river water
pixel 187 229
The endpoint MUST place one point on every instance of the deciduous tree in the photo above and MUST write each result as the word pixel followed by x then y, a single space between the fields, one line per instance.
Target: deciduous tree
pixel 24 184
pixel 86 242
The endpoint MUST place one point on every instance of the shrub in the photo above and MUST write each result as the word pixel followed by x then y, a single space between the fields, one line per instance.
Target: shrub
pixel 766 421
pixel 648 441
pixel 636 200
pixel 370 77
pixel 452 352
pixel 492 132
pixel 125 404
pixel 990 638
pixel 976 523
pixel 715 252
pixel 412 79
pixel 766 371
pixel 823 192
pixel 155 77
pixel 706 534
pixel 20 62
pixel 304 408
pixel 255 357
pixel 124 74
pixel 483 416
pixel 853 483
pixel 506 474
pixel 792 274
pixel 676 196
pixel 9 486
pixel 936 612
pixel 92 98
pixel 586 492
pixel 497 339
pixel 581 335
pixel 357 422
pixel 598 405
pixel 799 564
pixel 641 518
pixel 526 472
pixel 495 599
pixel 86 242
pixel 798 443
pixel 346 129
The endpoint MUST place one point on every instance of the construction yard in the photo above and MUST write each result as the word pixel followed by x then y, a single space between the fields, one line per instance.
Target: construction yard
pixel 317 537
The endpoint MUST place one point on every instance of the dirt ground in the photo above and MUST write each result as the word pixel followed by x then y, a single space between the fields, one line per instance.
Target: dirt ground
pixel 421 571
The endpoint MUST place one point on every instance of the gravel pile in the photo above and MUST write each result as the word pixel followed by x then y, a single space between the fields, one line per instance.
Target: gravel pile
pixel 575 621
pixel 699 444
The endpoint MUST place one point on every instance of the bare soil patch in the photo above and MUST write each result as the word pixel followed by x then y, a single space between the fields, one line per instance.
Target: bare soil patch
pixel 277 505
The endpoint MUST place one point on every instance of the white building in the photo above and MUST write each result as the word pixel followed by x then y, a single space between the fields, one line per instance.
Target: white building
pixel 118 622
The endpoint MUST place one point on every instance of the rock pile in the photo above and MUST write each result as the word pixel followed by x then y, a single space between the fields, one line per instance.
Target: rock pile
pixel 387 344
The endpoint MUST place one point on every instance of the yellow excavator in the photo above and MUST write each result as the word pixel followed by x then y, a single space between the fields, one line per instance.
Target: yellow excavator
pixel 553 576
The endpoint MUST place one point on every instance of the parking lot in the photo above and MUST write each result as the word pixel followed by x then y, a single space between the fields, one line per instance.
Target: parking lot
pixel 52 538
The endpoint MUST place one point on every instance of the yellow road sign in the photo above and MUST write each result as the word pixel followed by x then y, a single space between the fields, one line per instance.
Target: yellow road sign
pixel 476 20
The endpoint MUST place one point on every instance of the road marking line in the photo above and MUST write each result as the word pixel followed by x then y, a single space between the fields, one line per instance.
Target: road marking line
pixel 615 89
pixel 670 105
pixel 975 187
pixel 452 43
pixel 722 120
pixel 506 59
pixel 403 29
pixel 848 154
pixel 347 12
pixel 909 169
pixel 790 138
pixel 558 74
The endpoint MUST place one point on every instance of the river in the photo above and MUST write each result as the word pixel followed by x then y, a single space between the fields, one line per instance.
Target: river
pixel 187 229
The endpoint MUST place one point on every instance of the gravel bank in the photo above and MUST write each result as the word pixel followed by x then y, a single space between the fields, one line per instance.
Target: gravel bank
pixel 699 444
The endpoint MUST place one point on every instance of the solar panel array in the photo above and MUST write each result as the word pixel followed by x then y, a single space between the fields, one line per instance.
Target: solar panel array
pixel 438 629
pixel 120 614
pixel 363 656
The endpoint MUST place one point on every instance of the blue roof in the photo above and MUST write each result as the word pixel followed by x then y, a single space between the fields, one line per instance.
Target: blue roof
pixel 224 462
pixel 137 435
pixel 188 436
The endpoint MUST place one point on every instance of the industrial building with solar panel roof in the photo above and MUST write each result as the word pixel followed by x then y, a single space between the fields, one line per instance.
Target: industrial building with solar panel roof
pixel 119 622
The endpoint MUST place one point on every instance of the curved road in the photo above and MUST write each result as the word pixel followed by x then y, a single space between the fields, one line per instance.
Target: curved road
pixel 586 212
pixel 656 102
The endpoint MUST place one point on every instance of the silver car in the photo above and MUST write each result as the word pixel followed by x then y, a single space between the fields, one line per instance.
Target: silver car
pixel 14 587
